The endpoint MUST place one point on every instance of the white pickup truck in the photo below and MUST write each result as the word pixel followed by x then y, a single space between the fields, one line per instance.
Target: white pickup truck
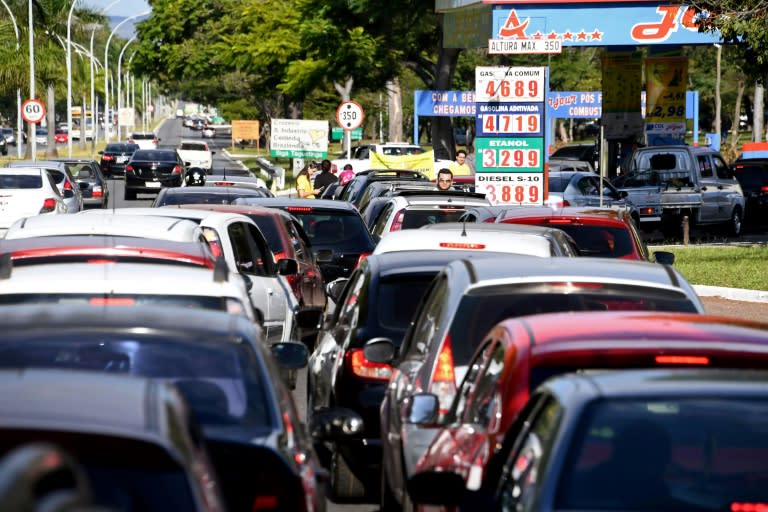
pixel 361 155
pixel 667 183
pixel 195 153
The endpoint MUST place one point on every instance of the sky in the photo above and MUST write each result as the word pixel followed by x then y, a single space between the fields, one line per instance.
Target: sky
pixel 119 7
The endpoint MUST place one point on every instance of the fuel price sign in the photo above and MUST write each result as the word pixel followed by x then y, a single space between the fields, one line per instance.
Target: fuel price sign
pixel 509 119
pixel 509 84
pixel 517 188
pixel 509 155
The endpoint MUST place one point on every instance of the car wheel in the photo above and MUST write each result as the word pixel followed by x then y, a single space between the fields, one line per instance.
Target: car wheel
pixel 345 485
pixel 734 226
pixel 130 195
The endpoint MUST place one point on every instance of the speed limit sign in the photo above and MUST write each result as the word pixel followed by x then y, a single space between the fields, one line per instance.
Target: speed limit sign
pixel 350 115
pixel 33 111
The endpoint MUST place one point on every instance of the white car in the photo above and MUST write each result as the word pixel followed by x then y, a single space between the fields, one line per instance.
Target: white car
pixel 195 153
pixel 115 225
pixel 126 284
pixel 145 140
pixel 66 183
pixel 412 209
pixel 247 254
pixel 226 180
pixel 27 192
pixel 483 238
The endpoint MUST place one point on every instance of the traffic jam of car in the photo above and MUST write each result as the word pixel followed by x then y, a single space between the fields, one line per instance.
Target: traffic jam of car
pixel 391 343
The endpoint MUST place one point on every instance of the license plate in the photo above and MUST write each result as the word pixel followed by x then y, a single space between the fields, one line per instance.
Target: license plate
pixel 121 159
pixel 153 184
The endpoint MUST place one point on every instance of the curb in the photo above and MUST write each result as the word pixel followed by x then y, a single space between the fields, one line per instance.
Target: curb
pixel 731 293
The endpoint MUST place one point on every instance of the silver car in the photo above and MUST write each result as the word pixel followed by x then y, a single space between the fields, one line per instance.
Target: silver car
pixel 69 188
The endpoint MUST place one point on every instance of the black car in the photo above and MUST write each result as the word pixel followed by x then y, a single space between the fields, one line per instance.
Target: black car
pixel 663 440
pixel 378 300
pixel 353 190
pixel 260 450
pixel 96 192
pixel 150 170
pixel 134 439
pixel 115 156
pixel 752 175
pixel 340 239
pixel 207 195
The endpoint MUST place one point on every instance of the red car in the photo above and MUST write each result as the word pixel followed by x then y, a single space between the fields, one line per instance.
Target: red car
pixel 60 137
pixel 601 232
pixel 519 354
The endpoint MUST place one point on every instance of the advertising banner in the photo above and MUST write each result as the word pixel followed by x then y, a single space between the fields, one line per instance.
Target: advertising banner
pixel 666 79
pixel 509 119
pixel 622 84
pixel 422 162
pixel 586 24
pixel 445 103
pixel 575 104
pixel 298 138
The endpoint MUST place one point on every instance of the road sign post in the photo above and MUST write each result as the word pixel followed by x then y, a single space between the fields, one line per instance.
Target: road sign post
pixel 349 115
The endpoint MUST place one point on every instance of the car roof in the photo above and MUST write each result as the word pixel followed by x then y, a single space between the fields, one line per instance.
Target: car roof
pixel 408 262
pixel 181 191
pixel 520 269
pixel 118 225
pixel 241 209
pixel 567 212
pixel 32 171
pixel 82 401
pixel 286 202
pixel 408 198
pixel 174 211
pixel 531 242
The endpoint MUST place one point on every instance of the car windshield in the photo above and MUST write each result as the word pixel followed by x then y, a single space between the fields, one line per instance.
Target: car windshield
pixel 482 308
pixel 193 146
pixel 217 377
pixel 154 156
pixel 689 453
pixel 143 136
pixel 121 148
pixel 188 195
pixel 334 228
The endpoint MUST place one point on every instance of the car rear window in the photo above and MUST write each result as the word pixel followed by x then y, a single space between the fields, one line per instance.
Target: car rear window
pixel 751 176
pixel 218 378
pixel 269 229
pixel 188 196
pixel 143 136
pixel 600 241
pixel 155 155
pixel 690 453
pixel 482 308
pixel 121 148
pixel 325 227
pixel 399 297
pixel 191 146
pixel 20 181
pixel 558 183
pixel 417 217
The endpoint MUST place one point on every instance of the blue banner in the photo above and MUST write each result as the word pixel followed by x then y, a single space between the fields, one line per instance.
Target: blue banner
pixel 444 103
pixel 591 25
pixel 575 104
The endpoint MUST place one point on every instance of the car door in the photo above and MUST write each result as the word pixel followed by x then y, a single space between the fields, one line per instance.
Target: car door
pixel 730 193
pixel 309 271
pixel 709 190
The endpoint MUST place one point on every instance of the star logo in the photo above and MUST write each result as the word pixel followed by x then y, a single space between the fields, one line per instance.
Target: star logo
pixel 513 28
pixel 596 35
pixel 567 35
pixel 552 35
pixel 581 36
pixel 538 35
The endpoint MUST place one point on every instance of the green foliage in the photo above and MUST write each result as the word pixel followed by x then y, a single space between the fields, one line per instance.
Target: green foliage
pixel 734 266
pixel 239 109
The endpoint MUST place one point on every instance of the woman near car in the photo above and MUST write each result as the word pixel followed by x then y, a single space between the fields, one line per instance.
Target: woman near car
pixel 303 183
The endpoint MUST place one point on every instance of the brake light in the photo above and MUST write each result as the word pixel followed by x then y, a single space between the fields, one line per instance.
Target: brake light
pixel 111 301
pixel 129 168
pixel 107 158
pixel 302 209
pixel 366 369
pixel 646 211
pixel 692 360
pixel 48 205
pixel 559 221
pixel 749 507
pixel 595 286
pixel 444 380
pixel 223 184
pixel 264 503
pixel 764 188
pixel 97 191
pixel 176 170
pixel 397 224
pixel 455 245
pixel 67 185
pixel 363 256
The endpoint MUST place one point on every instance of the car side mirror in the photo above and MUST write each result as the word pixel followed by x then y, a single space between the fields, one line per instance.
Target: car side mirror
pixel 664 257
pixel 623 194
pixel 423 409
pixel 290 355
pixel 213 152
pixel 335 287
pixel 100 152
pixel 380 350
pixel 287 267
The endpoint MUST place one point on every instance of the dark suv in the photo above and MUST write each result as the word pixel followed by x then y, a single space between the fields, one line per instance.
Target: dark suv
pixel 377 301
pixel 752 175
pixel 353 191
pixel 115 156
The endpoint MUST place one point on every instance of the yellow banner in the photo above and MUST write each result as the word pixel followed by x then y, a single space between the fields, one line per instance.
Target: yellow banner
pixel 423 162
pixel 666 79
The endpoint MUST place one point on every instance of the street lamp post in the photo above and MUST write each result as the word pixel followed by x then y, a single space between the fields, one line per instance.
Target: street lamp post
pixel 69 82
pixel 106 67
pixel 119 81
pixel 31 80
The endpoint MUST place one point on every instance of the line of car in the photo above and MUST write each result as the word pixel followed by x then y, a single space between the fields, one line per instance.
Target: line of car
pixel 440 348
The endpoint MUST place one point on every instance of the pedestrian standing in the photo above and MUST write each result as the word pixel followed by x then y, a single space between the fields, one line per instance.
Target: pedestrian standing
pixel 303 183
pixel 460 166
pixel 325 178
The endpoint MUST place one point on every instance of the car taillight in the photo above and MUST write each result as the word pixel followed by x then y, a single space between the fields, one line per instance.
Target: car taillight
pixel 456 245
pixel 67 185
pixel 129 168
pixel 362 258
pixel 560 221
pixel 223 184
pixel 687 360
pixel 362 367
pixel 444 380
pixel 302 209
pixel 97 191
pixel 749 507
pixel 111 301
pixel 397 224
pixel 176 170
pixel 107 158
pixel 48 205
pixel 764 188
pixel 646 211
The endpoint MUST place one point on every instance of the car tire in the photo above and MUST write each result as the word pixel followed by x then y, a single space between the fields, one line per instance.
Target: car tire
pixel 130 195
pixel 345 485
pixel 734 225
